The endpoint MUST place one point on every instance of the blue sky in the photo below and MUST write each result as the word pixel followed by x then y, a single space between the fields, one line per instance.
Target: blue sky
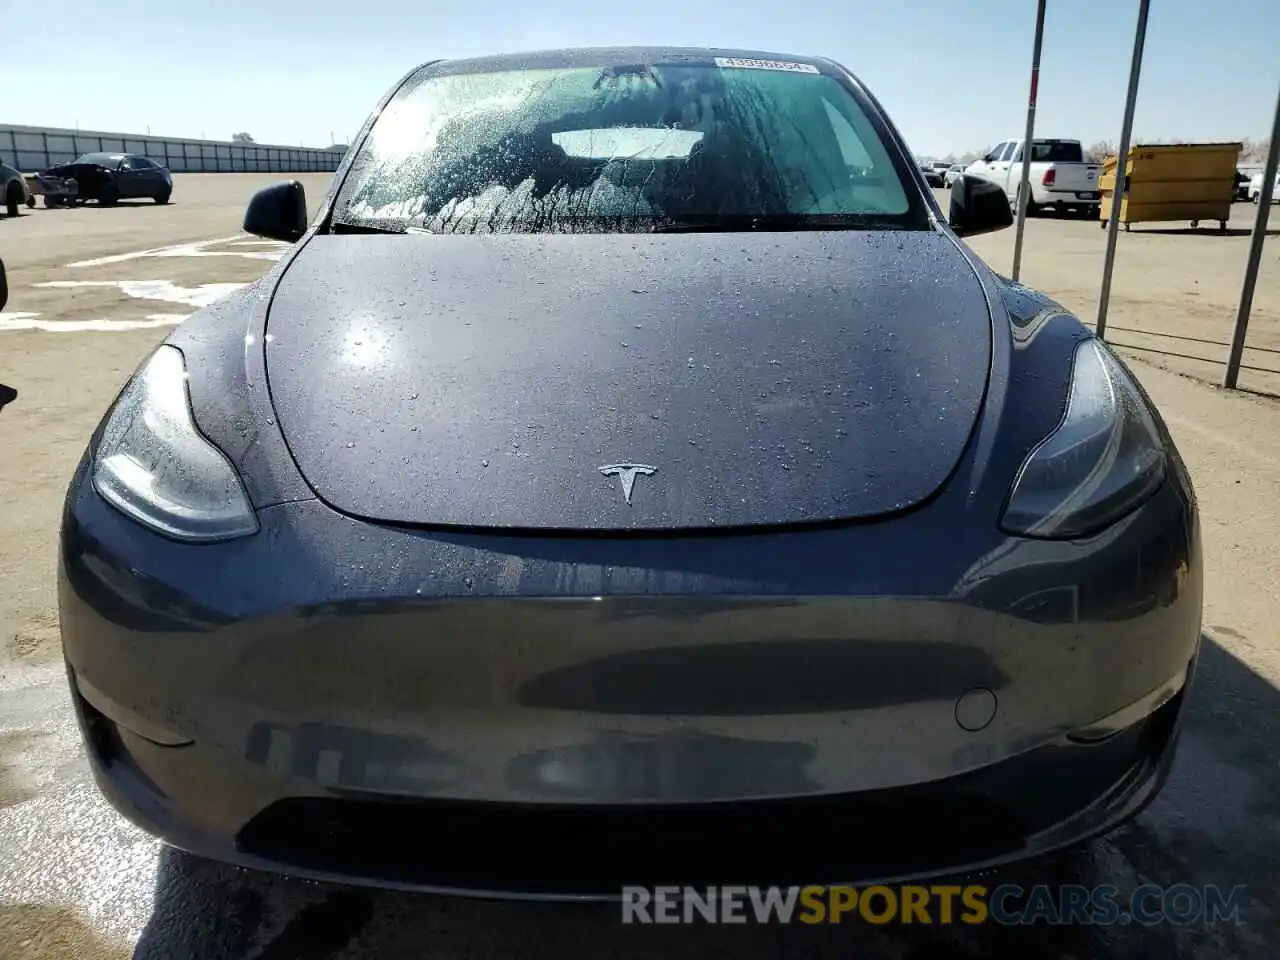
pixel 952 73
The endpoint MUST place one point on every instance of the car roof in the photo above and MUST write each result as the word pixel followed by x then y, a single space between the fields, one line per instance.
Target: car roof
pixel 605 56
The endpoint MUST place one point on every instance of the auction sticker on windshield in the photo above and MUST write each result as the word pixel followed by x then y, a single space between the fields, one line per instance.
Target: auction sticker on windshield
pixel 782 65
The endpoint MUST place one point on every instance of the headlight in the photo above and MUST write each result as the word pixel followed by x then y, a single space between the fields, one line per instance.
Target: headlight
pixel 154 465
pixel 1103 460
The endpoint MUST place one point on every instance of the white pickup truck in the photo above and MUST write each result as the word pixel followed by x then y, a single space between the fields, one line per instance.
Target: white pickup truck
pixel 1255 188
pixel 1060 177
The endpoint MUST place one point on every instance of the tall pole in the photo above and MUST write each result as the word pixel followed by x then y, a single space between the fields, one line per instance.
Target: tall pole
pixel 1265 196
pixel 1023 192
pixel 1122 166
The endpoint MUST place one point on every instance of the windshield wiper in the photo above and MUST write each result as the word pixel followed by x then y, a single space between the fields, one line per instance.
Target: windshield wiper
pixel 385 227
pixel 780 222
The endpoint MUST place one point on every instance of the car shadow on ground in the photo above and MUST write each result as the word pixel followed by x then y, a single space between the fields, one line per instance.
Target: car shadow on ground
pixel 1199 231
pixel 140 203
pixel 1216 823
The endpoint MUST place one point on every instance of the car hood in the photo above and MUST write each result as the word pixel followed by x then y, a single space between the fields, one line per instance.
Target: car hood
pixel 71 169
pixel 491 381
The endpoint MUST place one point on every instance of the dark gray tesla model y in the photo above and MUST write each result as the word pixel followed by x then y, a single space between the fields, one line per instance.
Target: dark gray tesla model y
pixel 629 476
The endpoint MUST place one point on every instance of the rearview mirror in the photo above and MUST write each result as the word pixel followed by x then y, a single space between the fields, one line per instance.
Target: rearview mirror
pixel 978 206
pixel 278 212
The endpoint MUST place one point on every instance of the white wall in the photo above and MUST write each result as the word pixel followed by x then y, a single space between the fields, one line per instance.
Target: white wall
pixel 31 149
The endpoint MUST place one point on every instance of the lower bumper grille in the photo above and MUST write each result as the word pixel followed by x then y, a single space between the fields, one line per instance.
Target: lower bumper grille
pixel 593 851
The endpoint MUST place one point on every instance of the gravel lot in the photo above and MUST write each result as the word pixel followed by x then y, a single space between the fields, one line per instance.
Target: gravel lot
pixel 78 882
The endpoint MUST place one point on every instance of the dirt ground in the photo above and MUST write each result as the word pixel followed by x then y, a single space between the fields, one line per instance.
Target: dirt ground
pixel 92 290
pixel 1173 290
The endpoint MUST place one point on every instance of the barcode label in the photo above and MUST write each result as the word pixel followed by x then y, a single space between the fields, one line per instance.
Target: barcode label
pixel 784 65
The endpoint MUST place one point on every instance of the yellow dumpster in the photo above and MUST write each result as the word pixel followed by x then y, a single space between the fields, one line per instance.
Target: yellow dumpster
pixel 1179 181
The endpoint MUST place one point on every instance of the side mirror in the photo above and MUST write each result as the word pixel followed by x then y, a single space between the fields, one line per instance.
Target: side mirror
pixel 278 212
pixel 978 206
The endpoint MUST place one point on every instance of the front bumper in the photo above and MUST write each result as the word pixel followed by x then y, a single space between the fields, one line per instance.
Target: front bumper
pixel 336 699
pixel 1053 797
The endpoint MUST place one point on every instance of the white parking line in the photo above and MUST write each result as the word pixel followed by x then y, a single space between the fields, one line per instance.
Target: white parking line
pixel 29 321
pixel 166 290
pixel 201 295
pixel 196 249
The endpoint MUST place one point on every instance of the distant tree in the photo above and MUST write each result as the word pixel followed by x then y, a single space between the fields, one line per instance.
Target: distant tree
pixel 1251 151
pixel 1097 152
pixel 241 138
pixel 1255 151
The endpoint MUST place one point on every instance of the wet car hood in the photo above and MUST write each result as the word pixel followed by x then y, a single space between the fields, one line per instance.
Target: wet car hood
pixel 766 378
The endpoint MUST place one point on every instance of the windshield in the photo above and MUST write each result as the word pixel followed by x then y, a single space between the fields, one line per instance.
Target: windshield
pixel 101 159
pixel 625 148
pixel 1056 151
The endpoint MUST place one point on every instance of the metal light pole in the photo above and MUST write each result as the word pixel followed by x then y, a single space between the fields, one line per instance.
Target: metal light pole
pixel 1122 164
pixel 1026 142
pixel 1255 255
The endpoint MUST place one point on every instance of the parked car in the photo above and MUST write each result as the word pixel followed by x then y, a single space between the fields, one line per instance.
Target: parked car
pixel 13 190
pixel 1242 185
pixel 1255 188
pixel 954 173
pixel 110 177
pixel 1059 178
pixel 929 169
pixel 634 501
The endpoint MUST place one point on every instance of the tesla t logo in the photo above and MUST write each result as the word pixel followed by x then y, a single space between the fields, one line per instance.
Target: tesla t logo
pixel 627 473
